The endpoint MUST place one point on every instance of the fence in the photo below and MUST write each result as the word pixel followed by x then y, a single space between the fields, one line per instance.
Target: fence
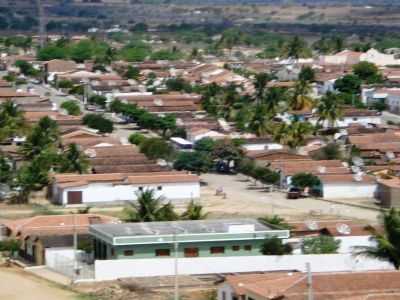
pixel 114 269
pixel 63 261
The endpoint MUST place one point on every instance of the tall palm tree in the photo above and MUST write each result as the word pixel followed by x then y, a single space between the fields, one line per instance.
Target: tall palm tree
pixel 296 132
pixel 273 98
pixel 260 84
pixel 194 212
pixel 296 47
pixel 300 98
pixel 387 242
pixel 11 120
pixel 148 208
pixel 74 160
pixel 329 109
pixel 259 123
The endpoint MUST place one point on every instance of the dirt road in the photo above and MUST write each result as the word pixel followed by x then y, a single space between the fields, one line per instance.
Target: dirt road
pixel 16 284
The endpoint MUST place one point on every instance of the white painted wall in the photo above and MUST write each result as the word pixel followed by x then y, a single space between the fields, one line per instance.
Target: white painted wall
pixel 107 192
pixel 114 269
pixel 52 254
pixel 348 190
pixel 348 244
pixel 346 121
pixel 261 147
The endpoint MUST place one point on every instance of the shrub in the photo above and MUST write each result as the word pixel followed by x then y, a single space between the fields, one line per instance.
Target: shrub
pixel 323 244
pixel 65 84
pixel 98 100
pixel 136 138
pixel 98 122
pixel 71 107
pixel 155 148
pixel 303 180
pixel 275 246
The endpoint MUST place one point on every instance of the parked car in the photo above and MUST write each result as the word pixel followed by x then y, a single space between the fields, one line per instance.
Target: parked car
pixel 294 193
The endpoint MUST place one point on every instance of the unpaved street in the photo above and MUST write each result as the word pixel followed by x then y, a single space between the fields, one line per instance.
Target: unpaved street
pixel 15 284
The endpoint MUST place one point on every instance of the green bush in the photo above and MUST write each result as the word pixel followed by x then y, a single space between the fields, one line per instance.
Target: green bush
pixel 98 100
pixel 136 138
pixel 71 107
pixel 275 246
pixel 98 122
pixel 323 244
pixel 65 84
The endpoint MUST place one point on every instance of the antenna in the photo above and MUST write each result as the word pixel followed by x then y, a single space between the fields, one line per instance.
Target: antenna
pixel 343 229
pixel 311 225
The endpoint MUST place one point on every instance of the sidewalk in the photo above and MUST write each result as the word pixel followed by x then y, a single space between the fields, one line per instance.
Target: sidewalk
pixel 50 275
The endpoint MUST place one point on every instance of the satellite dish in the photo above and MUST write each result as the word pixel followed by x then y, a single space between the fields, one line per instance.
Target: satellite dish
pixel 158 102
pixel 321 169
pixel 343 228
pixel 355 169
pixel 358 177
pixel 90 153
pixel 390 155
pixel 312 225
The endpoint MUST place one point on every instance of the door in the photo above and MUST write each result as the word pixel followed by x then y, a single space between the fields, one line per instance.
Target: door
pixel 74 197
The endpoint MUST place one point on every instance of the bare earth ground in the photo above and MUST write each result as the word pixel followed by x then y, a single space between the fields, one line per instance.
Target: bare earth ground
pixel 16 284
pixel 243 199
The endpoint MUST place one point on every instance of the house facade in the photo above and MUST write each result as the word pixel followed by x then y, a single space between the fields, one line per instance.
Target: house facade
pixel 204 238
pixel 115 187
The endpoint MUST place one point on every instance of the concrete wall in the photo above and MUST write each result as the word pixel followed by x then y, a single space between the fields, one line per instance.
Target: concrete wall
pixel 348 190
pixel 106 192
pixel 346 121
pixel 113 269
pixel 260 147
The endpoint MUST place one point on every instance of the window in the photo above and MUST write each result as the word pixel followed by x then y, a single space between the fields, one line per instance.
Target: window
pixel 217 250
pixel 163 252
pixel 191 252
pixel 235 248
pixel 128 253
pixel 140 188
pixel 159 188
pixel 355 119
pixel 247 247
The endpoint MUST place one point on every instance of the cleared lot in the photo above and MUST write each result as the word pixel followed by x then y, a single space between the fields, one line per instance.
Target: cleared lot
pixel 245 200
pixel 16 284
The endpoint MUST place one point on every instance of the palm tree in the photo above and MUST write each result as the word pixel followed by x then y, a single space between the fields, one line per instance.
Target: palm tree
pixel 275 221
pixel 11 120
pixel 387 242
pixel 300 98
pixel 296 132
pixel 74 160
pixel 194 212
pixel 329 109
pixel 148 208
pixel 296 47
pixel 273 97
pixel 260 83
pixel 259 123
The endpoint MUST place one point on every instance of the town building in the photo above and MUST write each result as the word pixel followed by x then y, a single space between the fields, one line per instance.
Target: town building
pixel 204 238
pixel 68 189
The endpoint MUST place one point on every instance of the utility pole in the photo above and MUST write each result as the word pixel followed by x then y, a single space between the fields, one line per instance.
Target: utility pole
pixel 310 295
pixel 42 24
pixel 176 289
pixel 75 249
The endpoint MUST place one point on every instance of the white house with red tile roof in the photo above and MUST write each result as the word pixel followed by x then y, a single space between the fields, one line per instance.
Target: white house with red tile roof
pixel 69 189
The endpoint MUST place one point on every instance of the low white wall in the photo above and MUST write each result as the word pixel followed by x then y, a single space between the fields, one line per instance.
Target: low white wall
pixel 54 254
pixel 105 192
pixel 348 244
pixel 348 190
pixel 113 269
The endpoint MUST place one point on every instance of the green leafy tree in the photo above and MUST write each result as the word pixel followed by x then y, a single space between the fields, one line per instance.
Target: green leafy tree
pixel 194 211
pixel 26 68
pixel 296 48
pixel 136 138
pixel 387 242
pixel 273 98
pixel 323 244
pixel 6 170
pixel 178 84
pixel 300 98
pixel 367 72
pixel 65 84
pixel 349 84
pixel 329 109
pixel 227 154
pixel 148 208
pixel 303 180
pixel 12 121
pixel 294 134
pixel 44 135
pixel 206 145
pixel 52 52
pixel 98 100
pixel 260 84
pixel 260 122
pixel 10 245
pixel 197 162
pixel 329 152
pixel 81 51
pixel 72 107
pixel 307 74
pixel 132 73
pixel 95 121
pixel 73 160
pixel 155 148
pixel 265 175
pixel 275 246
